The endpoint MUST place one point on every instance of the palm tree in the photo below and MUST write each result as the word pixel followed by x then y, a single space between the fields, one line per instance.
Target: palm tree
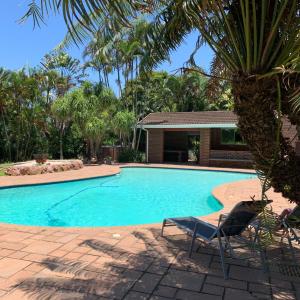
pixel 98 59
pixel 67 68
pixel 257 43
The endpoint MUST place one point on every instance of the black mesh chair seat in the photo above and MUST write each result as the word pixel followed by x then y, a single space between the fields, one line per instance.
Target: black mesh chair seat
pixel 233 224
pixel 193 225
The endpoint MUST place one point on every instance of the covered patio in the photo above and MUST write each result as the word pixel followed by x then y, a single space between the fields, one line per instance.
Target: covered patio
pixel 204 138
pixel 208 138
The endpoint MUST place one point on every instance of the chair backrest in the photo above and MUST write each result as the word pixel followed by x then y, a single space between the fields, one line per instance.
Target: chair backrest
pixel 241 216
pixel 293 219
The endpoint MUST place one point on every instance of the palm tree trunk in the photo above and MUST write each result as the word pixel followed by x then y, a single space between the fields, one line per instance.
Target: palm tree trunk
pixel 61 152
pixel 255 105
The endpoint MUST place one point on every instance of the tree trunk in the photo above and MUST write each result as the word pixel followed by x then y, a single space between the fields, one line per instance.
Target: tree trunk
pixel 255 104
pixel 133 144
pixel 61 153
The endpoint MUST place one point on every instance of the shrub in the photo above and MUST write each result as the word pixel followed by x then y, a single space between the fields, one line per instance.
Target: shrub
pixel 130 155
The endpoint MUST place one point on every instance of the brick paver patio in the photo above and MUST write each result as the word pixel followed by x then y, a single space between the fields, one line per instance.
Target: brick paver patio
pixel 136 262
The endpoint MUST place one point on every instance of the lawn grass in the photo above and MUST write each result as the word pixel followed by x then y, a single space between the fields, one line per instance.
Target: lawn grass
pixel 3 167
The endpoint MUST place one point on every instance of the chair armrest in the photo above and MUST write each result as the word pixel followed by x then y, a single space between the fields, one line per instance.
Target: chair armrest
pixel 222 217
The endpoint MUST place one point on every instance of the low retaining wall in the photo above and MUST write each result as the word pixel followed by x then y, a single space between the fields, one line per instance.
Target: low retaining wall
pixel 230 159
pixel 48 167
pixel 231 163
pixel 230 154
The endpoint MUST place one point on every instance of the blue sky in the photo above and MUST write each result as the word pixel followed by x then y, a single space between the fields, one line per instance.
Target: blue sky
pixel 22 45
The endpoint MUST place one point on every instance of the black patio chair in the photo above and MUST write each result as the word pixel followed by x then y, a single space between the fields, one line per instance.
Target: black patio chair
pixel 232 225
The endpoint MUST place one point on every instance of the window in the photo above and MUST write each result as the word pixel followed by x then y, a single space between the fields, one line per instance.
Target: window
pixel 231 137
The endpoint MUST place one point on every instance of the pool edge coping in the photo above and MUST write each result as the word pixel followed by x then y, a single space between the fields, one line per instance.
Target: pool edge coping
pixel 125 165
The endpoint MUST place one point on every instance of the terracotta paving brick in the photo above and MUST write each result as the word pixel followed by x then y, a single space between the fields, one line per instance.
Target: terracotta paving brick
pixel 6 252
pixel 12 246
pixel 17 294
pixel 18 254
pixel 281 294
pixel 261 296
pixel 184 280
pixel 165 291
pixel 8 284
pixel 35 267
pixel 10 266
pixel 232 294
pixel 260 288
pixel 73 255
pixel 132 274
pixel 157 269
pixel 35 257
pixel 247 274
pixel 88 258
pixel 2 293
pixel 66 238
pixel 58 253
pixel 15 236
pixel 155 297
pixel 238 284
pixel 136 296
pixel 213 289
pixel 147 283
pixel 279 283
pixel 188 295
pixel 41 247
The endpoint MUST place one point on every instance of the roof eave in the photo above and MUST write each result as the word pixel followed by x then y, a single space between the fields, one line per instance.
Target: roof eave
pixel 187 126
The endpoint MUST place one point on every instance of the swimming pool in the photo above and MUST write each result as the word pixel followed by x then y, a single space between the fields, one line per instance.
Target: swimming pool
pixel 135 196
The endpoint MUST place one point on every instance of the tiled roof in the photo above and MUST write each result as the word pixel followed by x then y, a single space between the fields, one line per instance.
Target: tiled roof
pixel 181 118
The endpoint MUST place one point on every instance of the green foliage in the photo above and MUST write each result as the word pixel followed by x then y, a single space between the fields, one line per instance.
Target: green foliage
pixel 159 91
pixel 131 155
pixel 3 167
pixel 196 148
pixel 122 124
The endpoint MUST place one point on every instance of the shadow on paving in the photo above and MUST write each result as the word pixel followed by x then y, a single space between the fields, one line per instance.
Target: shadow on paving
pixel 146 263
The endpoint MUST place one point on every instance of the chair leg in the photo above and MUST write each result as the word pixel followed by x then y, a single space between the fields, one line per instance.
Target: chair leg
pixel 192 246
pixel 295 236
pixel 263 255
pixel 291 248
pixel 221 248
pixel 162 228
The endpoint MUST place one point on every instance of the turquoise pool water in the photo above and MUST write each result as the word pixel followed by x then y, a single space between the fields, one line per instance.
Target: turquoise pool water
pixel 135 196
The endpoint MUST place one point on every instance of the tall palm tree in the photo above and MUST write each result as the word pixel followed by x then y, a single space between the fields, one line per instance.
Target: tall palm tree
pixel 98 59
pixel 258 44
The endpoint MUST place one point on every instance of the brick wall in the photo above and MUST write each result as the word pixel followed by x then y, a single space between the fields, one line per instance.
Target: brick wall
pixel 230 159
pixel 231 163
pixel 155 145
pixel 204 146
pixel 229 154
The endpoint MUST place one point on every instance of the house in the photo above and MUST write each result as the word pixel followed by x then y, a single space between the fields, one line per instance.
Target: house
pixel 208 138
